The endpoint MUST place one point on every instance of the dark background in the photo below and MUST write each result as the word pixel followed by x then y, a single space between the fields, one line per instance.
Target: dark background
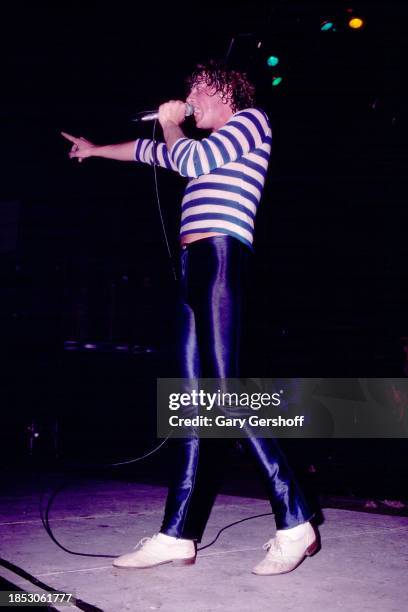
pixel 82 254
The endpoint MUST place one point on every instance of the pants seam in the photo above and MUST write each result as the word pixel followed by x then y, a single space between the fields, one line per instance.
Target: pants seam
pixel 191 491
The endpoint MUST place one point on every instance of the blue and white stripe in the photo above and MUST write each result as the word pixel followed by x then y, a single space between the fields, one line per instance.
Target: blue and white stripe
pixel 227 172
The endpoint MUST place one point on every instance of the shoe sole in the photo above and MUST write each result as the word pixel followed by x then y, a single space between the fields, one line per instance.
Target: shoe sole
pixel 176 562
pixel 311 550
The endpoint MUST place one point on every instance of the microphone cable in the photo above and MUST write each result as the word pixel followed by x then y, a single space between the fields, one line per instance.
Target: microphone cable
pixel 45 514
pixel 156 185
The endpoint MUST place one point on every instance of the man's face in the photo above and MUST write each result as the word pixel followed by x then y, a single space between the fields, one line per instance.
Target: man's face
pixel 210 112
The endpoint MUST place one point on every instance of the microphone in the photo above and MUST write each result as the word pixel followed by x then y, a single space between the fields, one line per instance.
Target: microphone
pixel 151 116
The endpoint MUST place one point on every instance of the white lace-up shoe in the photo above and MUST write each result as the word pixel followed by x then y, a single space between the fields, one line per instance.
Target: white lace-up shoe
pixel 156 550
pixel 287 550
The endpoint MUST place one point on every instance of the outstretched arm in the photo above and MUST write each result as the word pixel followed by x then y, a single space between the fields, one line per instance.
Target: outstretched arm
pixel 171 114
pixel 140 150
pixel 82 148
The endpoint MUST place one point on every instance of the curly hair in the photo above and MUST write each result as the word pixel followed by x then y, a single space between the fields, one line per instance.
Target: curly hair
pixel 232 86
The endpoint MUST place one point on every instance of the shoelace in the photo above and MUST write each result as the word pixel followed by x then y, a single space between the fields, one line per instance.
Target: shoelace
pixel 142 542
pixel 273 544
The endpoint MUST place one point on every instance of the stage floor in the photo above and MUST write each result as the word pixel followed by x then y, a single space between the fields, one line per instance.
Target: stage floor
pixel 362 564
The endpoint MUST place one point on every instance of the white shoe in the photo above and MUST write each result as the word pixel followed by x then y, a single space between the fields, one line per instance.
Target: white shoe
pixel 287 550
pixel 156 550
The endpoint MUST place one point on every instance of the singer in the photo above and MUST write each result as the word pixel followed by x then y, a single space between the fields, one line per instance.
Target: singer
pixel 226 173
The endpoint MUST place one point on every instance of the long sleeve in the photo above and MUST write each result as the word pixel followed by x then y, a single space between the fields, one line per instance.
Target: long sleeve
pixel 150 152
pixel 248 130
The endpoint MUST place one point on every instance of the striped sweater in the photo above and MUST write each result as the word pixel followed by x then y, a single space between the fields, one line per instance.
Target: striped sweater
pixel 227 173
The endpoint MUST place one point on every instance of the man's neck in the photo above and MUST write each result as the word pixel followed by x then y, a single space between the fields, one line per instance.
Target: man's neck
pixel 223 119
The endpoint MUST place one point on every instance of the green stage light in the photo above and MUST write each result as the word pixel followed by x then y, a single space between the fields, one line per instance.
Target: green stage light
pixel 326 25
pixel 272 60
pixel 276 81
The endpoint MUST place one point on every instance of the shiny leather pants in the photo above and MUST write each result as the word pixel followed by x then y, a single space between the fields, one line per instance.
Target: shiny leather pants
pixel 212 282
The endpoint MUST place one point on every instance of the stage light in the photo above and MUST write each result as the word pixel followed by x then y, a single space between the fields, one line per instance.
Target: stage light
pixel 355 23
pixel 276 81
pixel 272 60
pixel 326 25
